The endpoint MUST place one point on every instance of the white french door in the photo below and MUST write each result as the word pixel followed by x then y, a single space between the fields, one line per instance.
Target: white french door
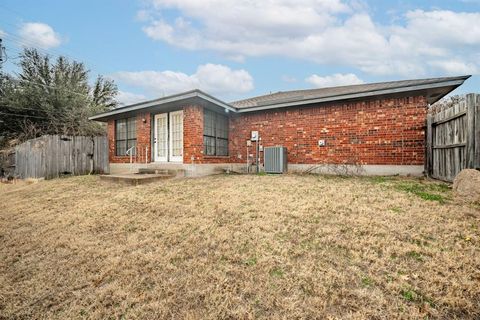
pixel 168 137
pixel 176 136
pixel 161 137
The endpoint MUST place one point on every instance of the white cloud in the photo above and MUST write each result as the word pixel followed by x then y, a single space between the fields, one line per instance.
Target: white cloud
pixel 327 32
pixel 333 80
pixel 126 98
pixel 213 78
pixel 455 67
pixel 39 34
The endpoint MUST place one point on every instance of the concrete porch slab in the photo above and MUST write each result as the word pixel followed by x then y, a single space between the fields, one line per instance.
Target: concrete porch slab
pixel 135 178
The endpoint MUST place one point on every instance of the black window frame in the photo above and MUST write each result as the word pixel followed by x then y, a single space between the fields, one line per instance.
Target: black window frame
pixel 127 141
pixel 215 134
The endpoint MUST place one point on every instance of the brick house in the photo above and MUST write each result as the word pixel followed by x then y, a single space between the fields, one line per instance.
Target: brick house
pixel 377 128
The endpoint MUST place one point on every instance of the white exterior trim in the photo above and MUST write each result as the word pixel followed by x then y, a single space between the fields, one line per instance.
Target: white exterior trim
pixel 156 143
pixel 171 157
pixel 351 96
pixel 169 99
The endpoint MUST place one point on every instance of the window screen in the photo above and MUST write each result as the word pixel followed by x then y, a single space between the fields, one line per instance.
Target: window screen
pixel 215 134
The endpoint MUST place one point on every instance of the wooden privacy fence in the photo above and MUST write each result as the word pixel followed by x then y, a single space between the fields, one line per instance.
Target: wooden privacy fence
pixel 453 139
pixel 51 156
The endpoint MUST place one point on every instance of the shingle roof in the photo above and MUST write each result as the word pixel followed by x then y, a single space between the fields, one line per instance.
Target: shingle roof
pixel 299 95
pixel 434 89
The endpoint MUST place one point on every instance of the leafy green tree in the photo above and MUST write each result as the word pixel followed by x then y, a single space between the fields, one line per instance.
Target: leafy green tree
pixel 52 97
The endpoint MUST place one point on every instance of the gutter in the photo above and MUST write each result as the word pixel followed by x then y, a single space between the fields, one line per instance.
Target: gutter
pixel 353 95
pixel 202 95
pixel 157 102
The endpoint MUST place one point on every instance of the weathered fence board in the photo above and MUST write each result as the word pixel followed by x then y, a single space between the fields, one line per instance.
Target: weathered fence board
pixel 453 139
pixel 52 156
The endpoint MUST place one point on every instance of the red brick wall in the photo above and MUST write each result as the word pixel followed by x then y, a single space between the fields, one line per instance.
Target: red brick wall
pixel 143 123
pixel 193 138
pixel 386 131
pixel 192 134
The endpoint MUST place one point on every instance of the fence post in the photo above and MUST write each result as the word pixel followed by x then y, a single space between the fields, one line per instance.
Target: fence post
pixel 470 147
pixel 477 132
pixel 429 153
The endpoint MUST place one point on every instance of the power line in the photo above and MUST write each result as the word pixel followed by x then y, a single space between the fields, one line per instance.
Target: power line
pixel 11 34
pixel 22 115
pixel 52 52
pixel 17 54
pixel 20 53
pixel 21 41
pixel 28 44
pixel 31 44
pixel 21 108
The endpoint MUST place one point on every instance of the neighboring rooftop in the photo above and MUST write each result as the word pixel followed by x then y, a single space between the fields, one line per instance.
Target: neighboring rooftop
pixel 282 97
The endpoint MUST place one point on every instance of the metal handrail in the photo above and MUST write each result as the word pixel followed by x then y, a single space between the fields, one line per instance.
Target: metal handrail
pixel 130 153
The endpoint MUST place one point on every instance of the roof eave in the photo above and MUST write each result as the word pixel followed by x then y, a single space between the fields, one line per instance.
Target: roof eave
pixel 451 83
pixel 151 103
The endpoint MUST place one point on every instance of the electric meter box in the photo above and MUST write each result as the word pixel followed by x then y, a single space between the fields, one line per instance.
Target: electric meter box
pixel 254 136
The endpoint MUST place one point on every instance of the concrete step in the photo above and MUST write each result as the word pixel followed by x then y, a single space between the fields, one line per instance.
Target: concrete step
pixel 155 171
pixel 174 172
pixel 135 178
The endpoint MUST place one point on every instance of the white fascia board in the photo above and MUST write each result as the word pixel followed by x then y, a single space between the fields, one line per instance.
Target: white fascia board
pixel 219 103
pixel 175 98
pixel 353 96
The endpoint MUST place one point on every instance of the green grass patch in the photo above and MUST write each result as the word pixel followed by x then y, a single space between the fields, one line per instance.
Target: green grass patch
pixel 367 282
pixel 380 179
pixel 415 255
pixel 429 192
pixel 277 272
pixel 416 297
pixel 409 295
pixel 396 209
pixel 251 261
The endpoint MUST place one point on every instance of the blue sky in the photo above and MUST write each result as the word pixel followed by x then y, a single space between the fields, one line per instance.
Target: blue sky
pixel 237 49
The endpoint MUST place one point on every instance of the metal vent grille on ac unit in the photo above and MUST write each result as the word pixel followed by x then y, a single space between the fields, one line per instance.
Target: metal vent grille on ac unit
pixel 275 159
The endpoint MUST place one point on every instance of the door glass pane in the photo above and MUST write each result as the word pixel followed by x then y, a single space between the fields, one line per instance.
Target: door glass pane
pixel 177 134
pixel 161 137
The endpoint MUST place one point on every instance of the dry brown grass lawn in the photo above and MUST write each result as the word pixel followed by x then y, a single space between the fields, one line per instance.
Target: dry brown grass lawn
pixel 238 247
